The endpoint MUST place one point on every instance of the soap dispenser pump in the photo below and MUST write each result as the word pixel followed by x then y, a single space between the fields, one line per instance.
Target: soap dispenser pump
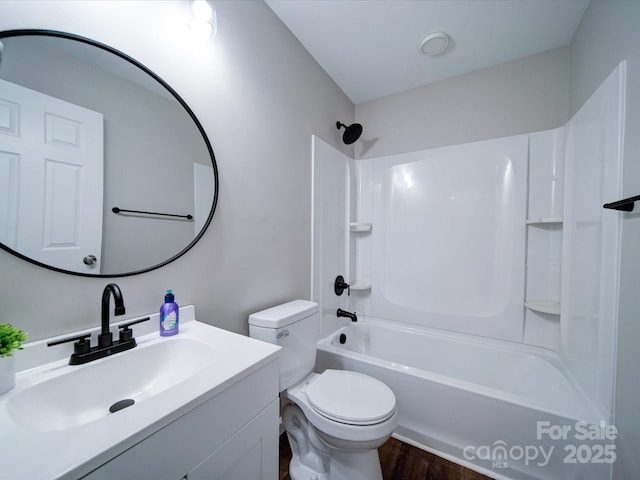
pixel 169 315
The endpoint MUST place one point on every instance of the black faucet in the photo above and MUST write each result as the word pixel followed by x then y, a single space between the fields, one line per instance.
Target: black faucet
pixel 105 339
pixel 83 352
pixel 342 313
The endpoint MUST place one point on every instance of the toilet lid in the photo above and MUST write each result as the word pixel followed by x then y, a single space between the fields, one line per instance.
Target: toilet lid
pixel 351 397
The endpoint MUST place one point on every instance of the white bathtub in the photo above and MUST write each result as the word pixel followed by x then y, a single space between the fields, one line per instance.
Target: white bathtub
pixel 503 409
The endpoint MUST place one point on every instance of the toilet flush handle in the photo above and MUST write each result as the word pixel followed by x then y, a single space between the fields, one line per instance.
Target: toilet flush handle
pixel 340 286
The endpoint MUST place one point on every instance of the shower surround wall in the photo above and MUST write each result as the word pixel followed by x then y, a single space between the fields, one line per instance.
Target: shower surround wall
pixel 447 243
pixel 438 239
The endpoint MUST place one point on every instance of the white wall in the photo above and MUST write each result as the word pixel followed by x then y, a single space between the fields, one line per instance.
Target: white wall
pixel 448 241
pixel 591 241
pixel 609 33
pixel 260 96
pixel 520 96
pixel 331 206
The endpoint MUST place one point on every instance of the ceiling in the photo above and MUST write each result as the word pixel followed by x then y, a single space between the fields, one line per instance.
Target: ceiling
pixel 371 48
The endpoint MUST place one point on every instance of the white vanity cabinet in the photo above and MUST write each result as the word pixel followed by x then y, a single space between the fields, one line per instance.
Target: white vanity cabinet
pixel 231 436
pixel 252 453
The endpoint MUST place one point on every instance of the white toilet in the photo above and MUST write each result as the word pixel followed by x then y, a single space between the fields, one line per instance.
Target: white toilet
pixel 336 420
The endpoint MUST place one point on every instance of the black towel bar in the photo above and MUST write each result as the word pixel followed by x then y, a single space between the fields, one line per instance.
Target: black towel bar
pixel 122 210
pixel 626 205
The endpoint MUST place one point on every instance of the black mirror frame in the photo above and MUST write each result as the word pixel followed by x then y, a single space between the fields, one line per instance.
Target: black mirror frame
pixel 124 56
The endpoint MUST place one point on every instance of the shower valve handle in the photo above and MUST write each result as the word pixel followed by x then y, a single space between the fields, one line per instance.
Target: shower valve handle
pixel 340 286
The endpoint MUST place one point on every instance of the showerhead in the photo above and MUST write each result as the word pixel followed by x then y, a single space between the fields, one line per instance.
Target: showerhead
pixel 351 133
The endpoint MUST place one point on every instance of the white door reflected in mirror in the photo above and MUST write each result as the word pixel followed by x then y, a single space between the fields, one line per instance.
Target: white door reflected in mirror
pixel 51 155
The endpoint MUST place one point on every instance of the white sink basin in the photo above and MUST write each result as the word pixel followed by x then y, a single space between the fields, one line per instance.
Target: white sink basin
pixel 85 393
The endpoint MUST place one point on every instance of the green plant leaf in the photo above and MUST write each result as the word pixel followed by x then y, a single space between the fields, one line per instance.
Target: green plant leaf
pixel 11 339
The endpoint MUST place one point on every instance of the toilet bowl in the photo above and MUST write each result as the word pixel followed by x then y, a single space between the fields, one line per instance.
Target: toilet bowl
pixel 335 420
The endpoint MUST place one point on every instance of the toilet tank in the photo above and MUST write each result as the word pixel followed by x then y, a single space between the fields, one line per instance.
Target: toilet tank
pixel 294 326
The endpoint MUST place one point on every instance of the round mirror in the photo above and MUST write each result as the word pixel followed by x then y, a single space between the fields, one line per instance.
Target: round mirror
pixel 104 169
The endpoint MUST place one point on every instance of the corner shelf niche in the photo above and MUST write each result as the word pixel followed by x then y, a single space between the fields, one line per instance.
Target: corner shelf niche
pixel 360 227
pixel 544 245
pixel 361 231
pixel 544 225
pixel 544 221
pixel 543 306
pixel 544 252
pixel 360 286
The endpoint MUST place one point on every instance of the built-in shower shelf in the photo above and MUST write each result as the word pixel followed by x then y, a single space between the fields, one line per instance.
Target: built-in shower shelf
pixel 544 306
pixel 360 286
pixel 360 227
pixel 543 220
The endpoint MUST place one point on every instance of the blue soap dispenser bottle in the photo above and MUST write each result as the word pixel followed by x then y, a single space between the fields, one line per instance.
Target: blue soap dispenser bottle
pixel 169 315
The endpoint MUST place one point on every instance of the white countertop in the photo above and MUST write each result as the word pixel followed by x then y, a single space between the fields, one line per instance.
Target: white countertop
pixel 73 452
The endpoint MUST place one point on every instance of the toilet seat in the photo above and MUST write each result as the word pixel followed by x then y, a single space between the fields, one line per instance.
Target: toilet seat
pixel 351 398
pixel 339 429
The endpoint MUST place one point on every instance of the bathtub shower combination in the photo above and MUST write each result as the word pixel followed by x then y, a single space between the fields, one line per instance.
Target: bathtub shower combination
pixel 484 277
pixel 474 401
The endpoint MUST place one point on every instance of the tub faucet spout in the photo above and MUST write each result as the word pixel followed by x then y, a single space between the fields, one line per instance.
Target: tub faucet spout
pixel 342 313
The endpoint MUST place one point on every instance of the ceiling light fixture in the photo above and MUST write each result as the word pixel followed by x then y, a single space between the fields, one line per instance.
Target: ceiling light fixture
pixel 434 43
pixel 204 23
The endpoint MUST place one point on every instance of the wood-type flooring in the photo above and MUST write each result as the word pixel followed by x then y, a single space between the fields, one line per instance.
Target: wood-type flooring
pixel 400 461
